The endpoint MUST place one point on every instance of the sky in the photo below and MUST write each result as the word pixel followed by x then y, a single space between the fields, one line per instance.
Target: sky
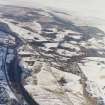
pixel 94 8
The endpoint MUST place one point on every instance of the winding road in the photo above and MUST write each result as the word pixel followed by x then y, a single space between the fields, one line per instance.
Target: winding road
pixel 12 73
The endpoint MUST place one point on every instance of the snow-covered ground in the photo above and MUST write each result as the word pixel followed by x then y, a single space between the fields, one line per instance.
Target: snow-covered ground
pixel 62 55
pixel 94 70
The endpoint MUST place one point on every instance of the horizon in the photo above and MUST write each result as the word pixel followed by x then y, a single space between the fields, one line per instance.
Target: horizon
pixel 93 8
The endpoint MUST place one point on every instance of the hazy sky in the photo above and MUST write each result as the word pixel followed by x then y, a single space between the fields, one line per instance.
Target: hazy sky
pixel 85 7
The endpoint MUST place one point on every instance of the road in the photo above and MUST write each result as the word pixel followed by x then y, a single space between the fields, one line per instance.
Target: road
pixel 12 73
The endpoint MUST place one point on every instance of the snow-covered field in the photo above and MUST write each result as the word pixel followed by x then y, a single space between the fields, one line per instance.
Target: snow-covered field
pixel 62 55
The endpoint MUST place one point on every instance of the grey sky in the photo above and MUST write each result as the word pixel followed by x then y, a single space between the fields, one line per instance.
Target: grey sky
pixel 85 7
